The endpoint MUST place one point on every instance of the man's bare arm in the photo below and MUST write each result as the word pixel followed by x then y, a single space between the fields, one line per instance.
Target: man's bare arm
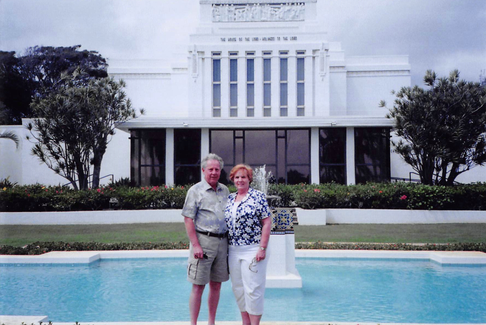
pixel 191 233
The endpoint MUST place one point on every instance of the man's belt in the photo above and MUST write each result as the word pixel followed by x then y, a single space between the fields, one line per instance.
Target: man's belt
pixel 211 234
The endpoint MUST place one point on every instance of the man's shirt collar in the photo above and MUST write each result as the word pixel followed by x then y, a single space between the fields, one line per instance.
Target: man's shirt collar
pixel 209 187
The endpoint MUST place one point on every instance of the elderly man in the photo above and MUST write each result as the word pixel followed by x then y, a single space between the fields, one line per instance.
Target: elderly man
pixel 206 228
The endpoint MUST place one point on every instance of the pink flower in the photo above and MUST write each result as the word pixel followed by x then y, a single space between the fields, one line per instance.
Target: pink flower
pixel 98 190
pixel 317 190
pixel 380 192
pixel 403 197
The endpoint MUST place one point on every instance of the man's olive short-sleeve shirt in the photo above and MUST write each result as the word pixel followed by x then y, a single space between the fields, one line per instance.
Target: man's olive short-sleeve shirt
pixel 206 206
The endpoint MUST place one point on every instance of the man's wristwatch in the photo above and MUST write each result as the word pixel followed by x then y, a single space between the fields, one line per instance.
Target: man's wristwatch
pixel 263 248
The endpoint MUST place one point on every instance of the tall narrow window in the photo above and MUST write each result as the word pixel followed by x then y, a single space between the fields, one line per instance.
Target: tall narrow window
pixel 267 86
pixel 332 155
pixel 283 85
pixel 300 84
pixel 250 85
pixel 233 85
pixel 187 156
pixel 216 84
pixel 147 157
pixel 372 154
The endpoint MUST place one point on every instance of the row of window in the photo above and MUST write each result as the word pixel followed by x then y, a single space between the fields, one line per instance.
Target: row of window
pixel 250 84
pixel 286 154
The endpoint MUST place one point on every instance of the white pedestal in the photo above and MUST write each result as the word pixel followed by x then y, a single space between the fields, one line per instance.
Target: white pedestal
pixel 281 271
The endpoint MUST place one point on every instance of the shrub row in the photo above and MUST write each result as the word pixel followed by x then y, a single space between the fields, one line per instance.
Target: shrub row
pixel 367 196
pixel 389 196
pixel 45 247
pixel 470 247
pixel 55 198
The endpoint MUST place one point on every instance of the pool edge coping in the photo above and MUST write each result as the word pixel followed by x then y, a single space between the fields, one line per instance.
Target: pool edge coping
pixel 17 320
pixel 87 257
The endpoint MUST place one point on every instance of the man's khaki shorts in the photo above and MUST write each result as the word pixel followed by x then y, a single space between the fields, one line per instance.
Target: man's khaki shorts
pixel 215 267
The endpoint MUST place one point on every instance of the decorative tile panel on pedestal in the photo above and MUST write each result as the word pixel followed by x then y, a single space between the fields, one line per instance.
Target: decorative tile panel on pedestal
pixel 283 220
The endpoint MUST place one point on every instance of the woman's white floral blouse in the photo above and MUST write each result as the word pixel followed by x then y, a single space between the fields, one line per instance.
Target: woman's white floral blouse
pixel 246 229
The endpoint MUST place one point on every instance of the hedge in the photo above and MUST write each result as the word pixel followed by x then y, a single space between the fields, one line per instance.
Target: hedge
pixel 399 195
pixel 38 248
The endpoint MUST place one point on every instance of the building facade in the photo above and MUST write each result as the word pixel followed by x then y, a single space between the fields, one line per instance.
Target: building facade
pixel 264 86
pixel 260 83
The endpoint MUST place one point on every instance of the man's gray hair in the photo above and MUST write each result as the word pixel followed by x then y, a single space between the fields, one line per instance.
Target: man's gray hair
pixel 212 156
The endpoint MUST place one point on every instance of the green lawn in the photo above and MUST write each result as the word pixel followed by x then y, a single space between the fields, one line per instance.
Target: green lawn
pixel 175 232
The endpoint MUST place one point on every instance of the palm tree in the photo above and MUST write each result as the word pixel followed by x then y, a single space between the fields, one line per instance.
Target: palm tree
pixel 12 136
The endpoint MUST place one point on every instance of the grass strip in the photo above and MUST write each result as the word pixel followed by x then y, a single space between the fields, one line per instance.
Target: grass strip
pixel 175 232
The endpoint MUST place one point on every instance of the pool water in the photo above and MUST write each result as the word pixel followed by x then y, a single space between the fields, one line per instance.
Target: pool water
pixel 334 290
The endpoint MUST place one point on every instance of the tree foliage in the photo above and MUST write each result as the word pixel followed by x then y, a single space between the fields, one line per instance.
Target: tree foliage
pixel 75 124
pixel 14 90
pixel 12 136
pixel 37 73
pixel 442 128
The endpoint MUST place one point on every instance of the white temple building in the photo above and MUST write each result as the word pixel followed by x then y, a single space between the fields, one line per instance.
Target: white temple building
pixel 262 84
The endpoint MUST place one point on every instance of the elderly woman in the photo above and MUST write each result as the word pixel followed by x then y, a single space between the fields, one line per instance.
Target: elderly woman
pixel 247 217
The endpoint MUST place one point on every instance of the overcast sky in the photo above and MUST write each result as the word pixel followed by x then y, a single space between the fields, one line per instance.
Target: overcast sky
pixel 436 34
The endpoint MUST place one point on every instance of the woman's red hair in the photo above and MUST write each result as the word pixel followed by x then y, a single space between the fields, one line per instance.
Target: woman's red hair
pixel 237 168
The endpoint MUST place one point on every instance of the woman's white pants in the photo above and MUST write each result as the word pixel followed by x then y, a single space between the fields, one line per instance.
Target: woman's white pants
pixel 247 278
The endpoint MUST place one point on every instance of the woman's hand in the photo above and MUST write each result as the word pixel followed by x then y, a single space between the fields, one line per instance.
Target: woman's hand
pixel 260 255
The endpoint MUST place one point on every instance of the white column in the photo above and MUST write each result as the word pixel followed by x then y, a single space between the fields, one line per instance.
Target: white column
pixel 314 144
pixel 204 144
pixel 321 85
pixel 350 157
pixel 198 85
pixel 207 86
pixel 169 156
pixel 309 85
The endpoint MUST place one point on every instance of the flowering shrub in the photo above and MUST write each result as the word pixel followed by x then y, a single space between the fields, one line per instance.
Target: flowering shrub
pixel 391 196
pixel 38 248
pixel 55 198
pixel 478 247
pixel 363 196
pixel 155 197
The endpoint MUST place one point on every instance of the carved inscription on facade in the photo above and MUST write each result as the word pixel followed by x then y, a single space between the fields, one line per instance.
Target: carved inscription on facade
pixel 258 39
pixel 258 12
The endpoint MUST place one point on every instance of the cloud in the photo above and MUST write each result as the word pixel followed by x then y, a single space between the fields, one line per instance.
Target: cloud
pixel 431 32
pixel 436 34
